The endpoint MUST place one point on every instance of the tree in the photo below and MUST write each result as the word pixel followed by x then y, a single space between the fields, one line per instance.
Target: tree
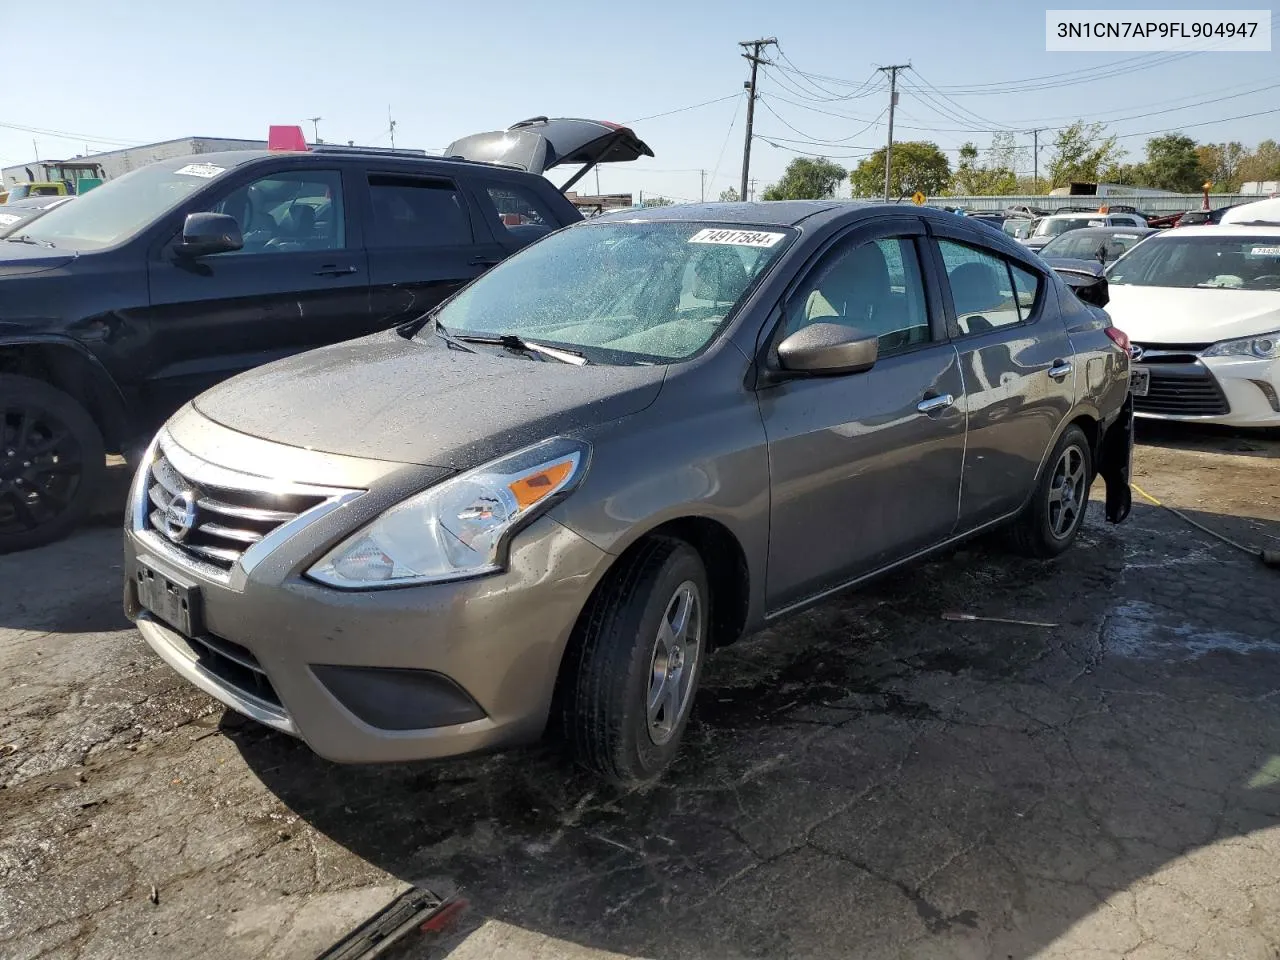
pixel 1127 174
pixel 994 177
pixel 1220 164
pixel 1081 153
pixel 657 202
pixel 1262 164
pixel 729 196
pixel 806 178
pixel 917 165
pixel 1173 164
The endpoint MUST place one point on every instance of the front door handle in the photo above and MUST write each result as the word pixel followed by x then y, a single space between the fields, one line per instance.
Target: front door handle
pixel 333 270
pixel 485 261
pixel 1060 370
pixel 934 404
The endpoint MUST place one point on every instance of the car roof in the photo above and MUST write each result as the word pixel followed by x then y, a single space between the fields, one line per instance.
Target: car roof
pixel 1110 231
pixel 1225 230
pixel 236 158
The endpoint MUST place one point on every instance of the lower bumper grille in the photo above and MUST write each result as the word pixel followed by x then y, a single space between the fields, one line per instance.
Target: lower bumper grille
pixel 233 665
pixel 1190 392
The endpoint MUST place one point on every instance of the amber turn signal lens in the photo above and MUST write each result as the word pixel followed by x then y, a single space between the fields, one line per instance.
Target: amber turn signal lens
pixel 529 489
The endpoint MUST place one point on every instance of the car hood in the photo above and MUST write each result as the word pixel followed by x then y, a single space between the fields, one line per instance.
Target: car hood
pixel 421 401
pixel 1182 315
pixel 24 259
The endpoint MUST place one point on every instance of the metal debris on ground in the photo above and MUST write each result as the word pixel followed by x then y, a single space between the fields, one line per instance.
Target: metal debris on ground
pixel 413 910
pixel 972 618
pixel 155 895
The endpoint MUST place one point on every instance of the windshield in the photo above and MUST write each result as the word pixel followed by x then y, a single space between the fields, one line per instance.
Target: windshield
pixel 117 210
pixel 1080 245
pixel 1053 226
pixel 1236 263
pixel 619 293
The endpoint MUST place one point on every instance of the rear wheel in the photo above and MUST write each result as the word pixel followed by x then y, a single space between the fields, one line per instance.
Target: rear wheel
pixel 51 463
pixel 1052 520
pixel 633 666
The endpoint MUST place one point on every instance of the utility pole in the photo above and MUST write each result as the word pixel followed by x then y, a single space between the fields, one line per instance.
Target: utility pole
pixel 315 125
pixel 751 194
pixel 754 57
pixel 36 147
pixel 391 127
pixel 702 186
pixel 892 70
pixel 1035 161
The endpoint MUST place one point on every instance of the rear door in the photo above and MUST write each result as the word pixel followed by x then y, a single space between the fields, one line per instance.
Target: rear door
pixel 423 242
pixel 300 281
pixel 1017 363
pixel 518 211
pixel 864 467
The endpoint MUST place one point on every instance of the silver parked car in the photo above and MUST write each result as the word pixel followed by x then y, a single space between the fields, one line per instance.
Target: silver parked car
pixel 546 502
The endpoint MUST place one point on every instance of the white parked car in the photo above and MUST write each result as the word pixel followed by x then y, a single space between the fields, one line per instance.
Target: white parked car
pixel 1047 228
pixel 1202 307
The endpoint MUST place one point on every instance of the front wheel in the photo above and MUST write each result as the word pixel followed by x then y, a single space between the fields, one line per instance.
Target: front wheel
pixel 633 665
pixel 51 463
pixel 1052 520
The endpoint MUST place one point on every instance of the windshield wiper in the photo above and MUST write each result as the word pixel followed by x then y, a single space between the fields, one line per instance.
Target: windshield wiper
pixel 515 342
pixel 28 238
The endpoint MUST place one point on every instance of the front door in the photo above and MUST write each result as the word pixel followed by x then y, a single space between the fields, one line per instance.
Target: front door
pixel 299 282
pixel 1018 371
pixel 865 467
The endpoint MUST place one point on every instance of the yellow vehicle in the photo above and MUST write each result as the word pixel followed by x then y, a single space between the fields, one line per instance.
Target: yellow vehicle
pixel 38 188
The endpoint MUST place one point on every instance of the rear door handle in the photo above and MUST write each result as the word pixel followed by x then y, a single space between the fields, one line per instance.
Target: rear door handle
pixel 484 261
pixel 333 270
pixel 1060 369
pixel 934 404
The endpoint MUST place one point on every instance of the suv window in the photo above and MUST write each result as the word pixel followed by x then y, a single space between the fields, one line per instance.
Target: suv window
pixel 288 212
pixel 982 288
pixel 413 211
pixel 874 287
pixel 520 211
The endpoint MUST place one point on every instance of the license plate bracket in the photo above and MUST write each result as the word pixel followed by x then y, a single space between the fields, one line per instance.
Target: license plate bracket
pixel 172 599
pixel 1139 381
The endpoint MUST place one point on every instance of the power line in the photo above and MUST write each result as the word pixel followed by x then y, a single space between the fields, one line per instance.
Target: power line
pixel 809 138
pixel 693 106
pixel 963 109
pixel 828 155
pixel 723 146
pixel 67 135
pixel 871 83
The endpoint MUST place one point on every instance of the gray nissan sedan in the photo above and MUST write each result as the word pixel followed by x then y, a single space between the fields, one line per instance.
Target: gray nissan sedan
pixel 542 505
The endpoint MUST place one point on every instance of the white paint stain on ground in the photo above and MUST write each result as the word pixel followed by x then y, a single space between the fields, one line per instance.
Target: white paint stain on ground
pixel 1142 631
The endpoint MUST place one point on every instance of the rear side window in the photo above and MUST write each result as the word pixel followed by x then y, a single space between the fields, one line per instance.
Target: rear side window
pixel 982 289
pixel 417 212
pixel 520 212
pixel 1026 287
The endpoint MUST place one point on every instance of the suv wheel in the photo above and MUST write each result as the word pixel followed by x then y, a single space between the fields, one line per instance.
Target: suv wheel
pixel 1052 519
pixel 633 665
pixel 51 463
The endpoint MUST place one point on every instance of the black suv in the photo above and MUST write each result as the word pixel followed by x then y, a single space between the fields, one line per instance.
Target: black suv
pixel 119 307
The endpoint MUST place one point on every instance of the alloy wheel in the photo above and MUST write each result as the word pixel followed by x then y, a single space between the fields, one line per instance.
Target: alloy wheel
pixel 40 468
pixel 674 664
pixel 1068 488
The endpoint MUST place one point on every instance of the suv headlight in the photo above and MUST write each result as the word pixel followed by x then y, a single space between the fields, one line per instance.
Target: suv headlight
pixel 1265 347
pixel 459 528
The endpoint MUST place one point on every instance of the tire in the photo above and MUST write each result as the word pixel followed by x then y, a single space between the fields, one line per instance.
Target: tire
pixel 1049 525
pixel 616 656
pixel 52 463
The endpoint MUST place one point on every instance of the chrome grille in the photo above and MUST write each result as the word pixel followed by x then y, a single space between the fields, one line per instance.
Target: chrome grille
pixel 215 524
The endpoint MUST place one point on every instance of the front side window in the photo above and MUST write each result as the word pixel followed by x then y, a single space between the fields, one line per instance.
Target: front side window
pixel 417 212
pixel 1225 262
pixel 287 212
pixel 619 293
pixel 874 288
pixel 982 288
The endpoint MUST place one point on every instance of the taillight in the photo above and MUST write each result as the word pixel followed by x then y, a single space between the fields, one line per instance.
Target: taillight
pixel 1119 338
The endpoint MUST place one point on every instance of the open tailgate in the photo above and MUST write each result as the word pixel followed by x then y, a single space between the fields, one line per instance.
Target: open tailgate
pixel 538 144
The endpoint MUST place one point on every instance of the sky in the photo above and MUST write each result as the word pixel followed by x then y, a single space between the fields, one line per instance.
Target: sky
pixel 150 71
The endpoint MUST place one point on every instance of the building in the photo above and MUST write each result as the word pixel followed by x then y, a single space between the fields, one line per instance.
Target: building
pixel 115 163
pixel 592 206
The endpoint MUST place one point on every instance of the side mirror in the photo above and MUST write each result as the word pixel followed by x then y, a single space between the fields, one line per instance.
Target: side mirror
pixel 828 348
pixel 208 233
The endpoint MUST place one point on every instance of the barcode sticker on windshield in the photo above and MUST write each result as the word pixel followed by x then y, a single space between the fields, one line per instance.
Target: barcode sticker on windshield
pixel 1265 252
pixel 206 170
pixel 737 238
pixel 1126 236
pixel 8 218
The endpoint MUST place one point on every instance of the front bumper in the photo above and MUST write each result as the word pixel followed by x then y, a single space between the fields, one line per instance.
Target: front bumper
pixel 320 663
pixel 1247 388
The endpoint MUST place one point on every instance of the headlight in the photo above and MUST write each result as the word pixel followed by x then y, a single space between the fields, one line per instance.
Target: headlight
pixel 1265 347
pixel 459 528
